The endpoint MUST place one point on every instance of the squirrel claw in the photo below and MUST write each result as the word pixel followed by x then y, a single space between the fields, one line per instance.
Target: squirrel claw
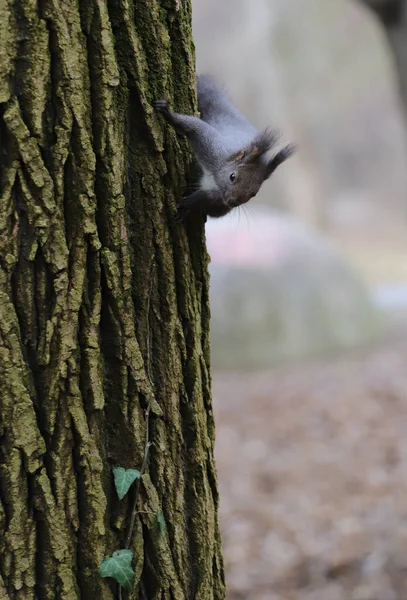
pixel 161 106
pixel 183 211
pixel 182 214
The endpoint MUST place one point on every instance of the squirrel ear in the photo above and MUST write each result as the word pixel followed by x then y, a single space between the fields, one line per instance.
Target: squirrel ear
pixel 247 154
pixel 279 158
pixel 240 155
pixel 254 153
pixel 261 144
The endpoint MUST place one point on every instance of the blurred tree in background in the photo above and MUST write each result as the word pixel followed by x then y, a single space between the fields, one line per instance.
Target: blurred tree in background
pixel 393 14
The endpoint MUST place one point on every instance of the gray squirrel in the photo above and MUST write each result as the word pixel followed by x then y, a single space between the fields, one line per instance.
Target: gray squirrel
pixel 230 151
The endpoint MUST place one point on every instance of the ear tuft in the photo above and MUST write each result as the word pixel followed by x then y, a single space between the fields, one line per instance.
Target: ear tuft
pixel 279 158
pixel 261 144
pixel 255 153
pixel 266 140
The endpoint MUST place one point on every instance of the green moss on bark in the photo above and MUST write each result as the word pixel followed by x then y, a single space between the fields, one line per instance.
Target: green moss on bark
pixel 103 304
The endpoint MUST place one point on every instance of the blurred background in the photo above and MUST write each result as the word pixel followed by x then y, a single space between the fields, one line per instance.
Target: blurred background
pixel 309 302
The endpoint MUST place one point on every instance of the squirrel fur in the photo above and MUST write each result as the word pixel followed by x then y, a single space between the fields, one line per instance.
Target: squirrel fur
pixel 232 154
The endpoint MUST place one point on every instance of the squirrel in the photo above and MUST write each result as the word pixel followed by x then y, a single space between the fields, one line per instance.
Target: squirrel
pixel 230 151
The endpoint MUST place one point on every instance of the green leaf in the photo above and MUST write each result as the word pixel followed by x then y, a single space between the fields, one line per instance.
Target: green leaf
pixel 161 522
pixel 123 478
pixel 118 566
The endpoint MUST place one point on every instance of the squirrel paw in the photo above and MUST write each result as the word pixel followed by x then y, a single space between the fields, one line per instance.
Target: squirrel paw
pixel 161 106
pixel 182 214
pixel 183 211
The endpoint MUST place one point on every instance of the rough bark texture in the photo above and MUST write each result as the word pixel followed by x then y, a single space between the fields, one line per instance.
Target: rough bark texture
pixel 103 304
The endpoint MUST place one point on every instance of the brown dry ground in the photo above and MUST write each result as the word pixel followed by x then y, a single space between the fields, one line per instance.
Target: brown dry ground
pixel 312 463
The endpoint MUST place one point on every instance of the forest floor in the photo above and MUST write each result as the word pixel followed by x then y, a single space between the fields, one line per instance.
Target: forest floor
pixel 312 464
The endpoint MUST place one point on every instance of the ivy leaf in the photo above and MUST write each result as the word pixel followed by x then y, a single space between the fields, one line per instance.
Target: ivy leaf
pixel 123 478
pixel 118 566
pixel 161 522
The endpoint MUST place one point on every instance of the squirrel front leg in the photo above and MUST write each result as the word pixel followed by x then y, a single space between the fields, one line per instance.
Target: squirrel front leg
pixel 204 203
pixel 206 143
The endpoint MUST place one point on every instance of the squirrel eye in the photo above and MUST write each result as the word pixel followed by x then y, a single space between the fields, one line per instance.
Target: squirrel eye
pixel 232 176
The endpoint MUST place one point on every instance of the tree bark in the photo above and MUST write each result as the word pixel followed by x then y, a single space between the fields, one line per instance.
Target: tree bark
pixel 398 41
pixel 104 313
pixel 393 14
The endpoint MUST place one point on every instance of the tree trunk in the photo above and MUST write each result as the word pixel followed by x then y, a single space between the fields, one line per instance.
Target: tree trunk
pixel 398 40
pixel 104 314
pixel 393 14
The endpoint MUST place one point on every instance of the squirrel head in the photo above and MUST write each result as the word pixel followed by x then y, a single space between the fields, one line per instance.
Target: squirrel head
pixel 241 176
